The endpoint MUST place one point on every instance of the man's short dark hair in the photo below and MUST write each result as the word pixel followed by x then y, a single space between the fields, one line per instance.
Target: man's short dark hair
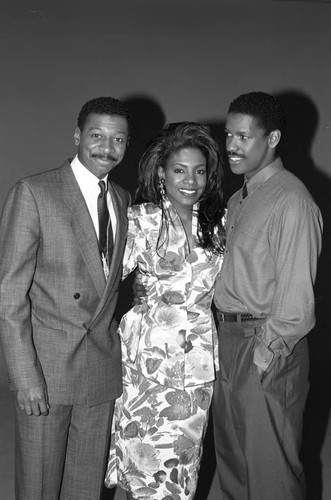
pixel 265 108
pixel 102 106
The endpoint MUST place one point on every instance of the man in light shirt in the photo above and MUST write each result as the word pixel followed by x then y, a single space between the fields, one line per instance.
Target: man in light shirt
pixel 58 291
pixel 265 309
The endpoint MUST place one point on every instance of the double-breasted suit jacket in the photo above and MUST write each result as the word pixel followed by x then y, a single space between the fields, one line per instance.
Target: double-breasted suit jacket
pixel 56 308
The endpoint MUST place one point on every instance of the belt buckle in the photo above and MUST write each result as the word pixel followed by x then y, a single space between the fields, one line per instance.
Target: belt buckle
pixel 221 316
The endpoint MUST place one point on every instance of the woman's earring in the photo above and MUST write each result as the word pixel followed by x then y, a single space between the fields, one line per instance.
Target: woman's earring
pixel 162 187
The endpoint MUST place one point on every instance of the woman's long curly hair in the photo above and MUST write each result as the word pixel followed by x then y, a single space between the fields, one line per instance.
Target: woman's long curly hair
pixel 174 137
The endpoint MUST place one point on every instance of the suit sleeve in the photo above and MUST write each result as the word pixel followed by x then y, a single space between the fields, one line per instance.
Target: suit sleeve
pixel 19 243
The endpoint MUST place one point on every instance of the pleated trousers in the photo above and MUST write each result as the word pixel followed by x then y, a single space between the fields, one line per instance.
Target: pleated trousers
pixel 258 422
pixel 62 455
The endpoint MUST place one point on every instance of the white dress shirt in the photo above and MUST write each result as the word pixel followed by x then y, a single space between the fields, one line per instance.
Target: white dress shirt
pixel 90 189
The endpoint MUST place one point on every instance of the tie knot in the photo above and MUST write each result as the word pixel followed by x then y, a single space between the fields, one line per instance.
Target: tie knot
pixel 102 186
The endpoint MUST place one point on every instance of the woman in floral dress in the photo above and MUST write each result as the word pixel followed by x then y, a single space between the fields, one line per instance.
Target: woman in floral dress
pixel 176 240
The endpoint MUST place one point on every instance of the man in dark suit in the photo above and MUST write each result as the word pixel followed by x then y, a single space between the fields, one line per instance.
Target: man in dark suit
pixel 58 291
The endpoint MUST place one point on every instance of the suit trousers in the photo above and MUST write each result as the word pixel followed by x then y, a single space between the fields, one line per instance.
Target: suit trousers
pixel 62 455
pixel 258 420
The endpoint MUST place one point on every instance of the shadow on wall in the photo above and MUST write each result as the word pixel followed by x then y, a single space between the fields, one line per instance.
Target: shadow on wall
pixel 148 120
pixel 302 117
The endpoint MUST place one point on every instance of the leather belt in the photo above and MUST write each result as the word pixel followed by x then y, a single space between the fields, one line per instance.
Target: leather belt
pixel 235 317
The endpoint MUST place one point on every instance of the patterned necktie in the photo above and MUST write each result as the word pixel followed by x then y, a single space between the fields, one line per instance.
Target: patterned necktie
pixel 105 229
pixel 244 191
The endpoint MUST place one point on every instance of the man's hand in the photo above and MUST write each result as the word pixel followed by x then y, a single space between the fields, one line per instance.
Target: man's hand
pixel 139 290
pixel 262 358
pixel 33 401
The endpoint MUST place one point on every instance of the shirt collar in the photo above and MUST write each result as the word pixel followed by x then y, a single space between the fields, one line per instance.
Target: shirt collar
pixel 87 181
pixel 265 174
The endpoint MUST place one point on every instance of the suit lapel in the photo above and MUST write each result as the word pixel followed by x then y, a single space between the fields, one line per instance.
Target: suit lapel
pixel 82 227
pixel 84 232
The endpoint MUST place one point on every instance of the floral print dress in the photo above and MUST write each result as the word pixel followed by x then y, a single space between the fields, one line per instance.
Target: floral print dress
pixel 169 345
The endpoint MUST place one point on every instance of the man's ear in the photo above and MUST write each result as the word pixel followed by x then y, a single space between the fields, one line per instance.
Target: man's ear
pixel 274 138
pixel 77 136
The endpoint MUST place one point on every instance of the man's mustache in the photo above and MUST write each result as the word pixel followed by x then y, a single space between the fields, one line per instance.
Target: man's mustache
pixel 230 153
pixel 104 157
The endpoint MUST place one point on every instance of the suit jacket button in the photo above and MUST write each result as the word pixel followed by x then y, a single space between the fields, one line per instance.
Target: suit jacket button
pixel 77 296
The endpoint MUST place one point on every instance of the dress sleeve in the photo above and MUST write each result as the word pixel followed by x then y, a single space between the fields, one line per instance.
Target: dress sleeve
pixel 134 239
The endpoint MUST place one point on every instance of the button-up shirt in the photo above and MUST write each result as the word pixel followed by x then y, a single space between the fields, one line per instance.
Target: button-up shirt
pixel 90 189
pixel 273 242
